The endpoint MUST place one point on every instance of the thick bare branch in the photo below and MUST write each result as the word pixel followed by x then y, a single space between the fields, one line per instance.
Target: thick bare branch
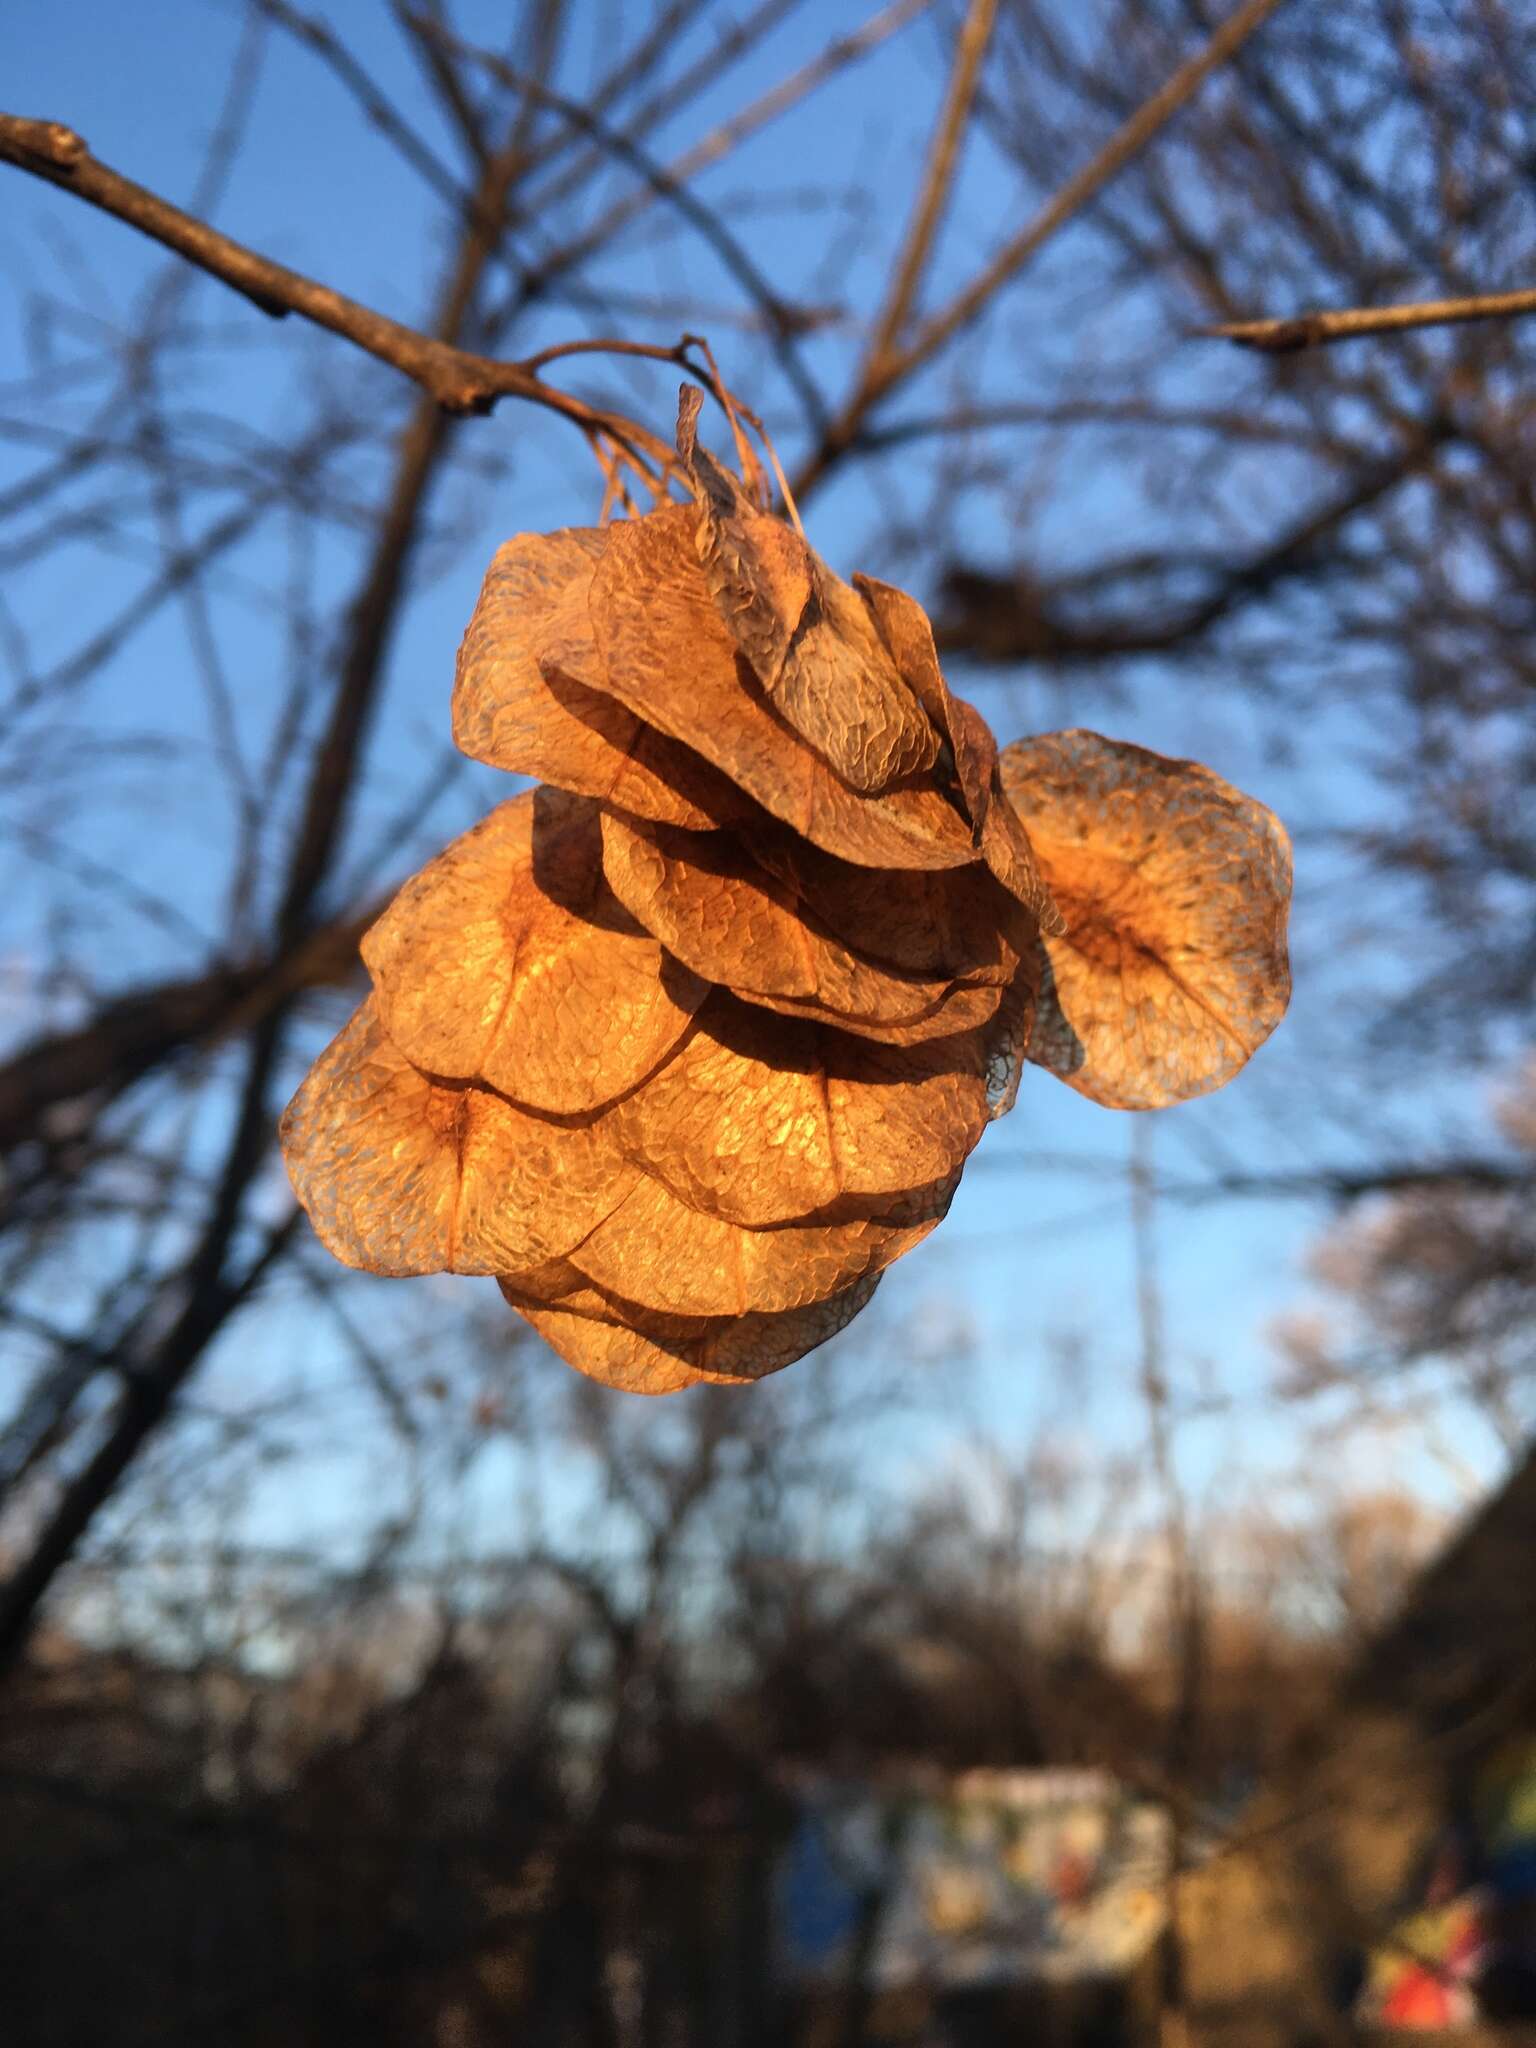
pixel 165 1348
pixel 135 1033
pixel 782 320
pixel 1007 618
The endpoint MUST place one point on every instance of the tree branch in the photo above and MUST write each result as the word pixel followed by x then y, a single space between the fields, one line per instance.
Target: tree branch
pixel 971 48
pixel 457 379
pixel 198 1300
pixel 1127 142
pixel 1007 618
pixel 1309 330
pixel 134 1033
pixel 783 321
pixel 1353 1184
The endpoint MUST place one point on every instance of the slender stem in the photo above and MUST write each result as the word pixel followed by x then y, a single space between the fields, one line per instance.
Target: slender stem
pixel 781 320
pixel 217 1277
pixel 457 379
pixel 938 177
pixel 1127 142
pixel 1308 330
pixel 1184 1602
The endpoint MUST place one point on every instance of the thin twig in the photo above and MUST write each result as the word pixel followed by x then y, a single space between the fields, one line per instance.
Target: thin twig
pixel 938 177
pixel 377 108
pixel 459 380
pixel 218 1275
pixel 449 89
pixel 1184 1601
pixel 1308 330
pixel 1127 142
pixel 782 320
pixel 746 455
pixel 712 148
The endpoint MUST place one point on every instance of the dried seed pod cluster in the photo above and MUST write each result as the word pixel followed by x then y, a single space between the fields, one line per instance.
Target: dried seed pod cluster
pixel 688 1044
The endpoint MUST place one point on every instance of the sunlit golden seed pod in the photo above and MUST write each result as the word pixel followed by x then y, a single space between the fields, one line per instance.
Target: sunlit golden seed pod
pixel 648 1353
pixel 1175 890
pixel 687 1046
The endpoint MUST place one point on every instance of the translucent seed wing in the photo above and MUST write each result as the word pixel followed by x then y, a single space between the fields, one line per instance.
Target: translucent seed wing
pixel 404 1175
pixel 657 1252
pixel 640 1352
pixel 964 1007
pixel 735 922
pixel 509 960
pixel 1004 843
pixel 1175 890
pixel 761 1121
pixel 812 647
pixel 903 626
pixel 526 698
pixel 955 924
pixel 666 653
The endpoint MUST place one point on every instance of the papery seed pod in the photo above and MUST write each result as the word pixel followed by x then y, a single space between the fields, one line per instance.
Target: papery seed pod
pixel 814 650
pixel 663 1255
pixel 668 656
pixel 689 1047
pixel 509 960
pixel 403 1174
pixel 735 922
pixel 903 626
pixel 996 829
pixel 645 1353
pixel 1175 889
pixel 955 924
pixel 524 700
pixel 762 1121
pixel 965 1006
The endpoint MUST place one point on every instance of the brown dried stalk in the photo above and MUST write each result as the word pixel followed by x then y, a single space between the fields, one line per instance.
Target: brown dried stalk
pixel 1351 323
pixel 458 379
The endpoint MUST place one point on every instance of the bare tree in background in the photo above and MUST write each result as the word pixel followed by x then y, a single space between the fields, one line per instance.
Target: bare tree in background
pixel 94 1108
pixel 1344 533
pixel 1430 1286
pixel 1334 546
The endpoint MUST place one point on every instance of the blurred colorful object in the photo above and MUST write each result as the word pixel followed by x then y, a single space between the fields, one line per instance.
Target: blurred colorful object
pixel 991 1878
pixel 1506 1816
pixel 1424 1978
pixel 1477 1919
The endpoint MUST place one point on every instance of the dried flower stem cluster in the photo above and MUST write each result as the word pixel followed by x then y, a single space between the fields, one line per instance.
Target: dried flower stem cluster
pixel 688 1044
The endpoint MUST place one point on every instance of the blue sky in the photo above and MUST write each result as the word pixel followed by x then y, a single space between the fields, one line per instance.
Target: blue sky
pixel 1028 1250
